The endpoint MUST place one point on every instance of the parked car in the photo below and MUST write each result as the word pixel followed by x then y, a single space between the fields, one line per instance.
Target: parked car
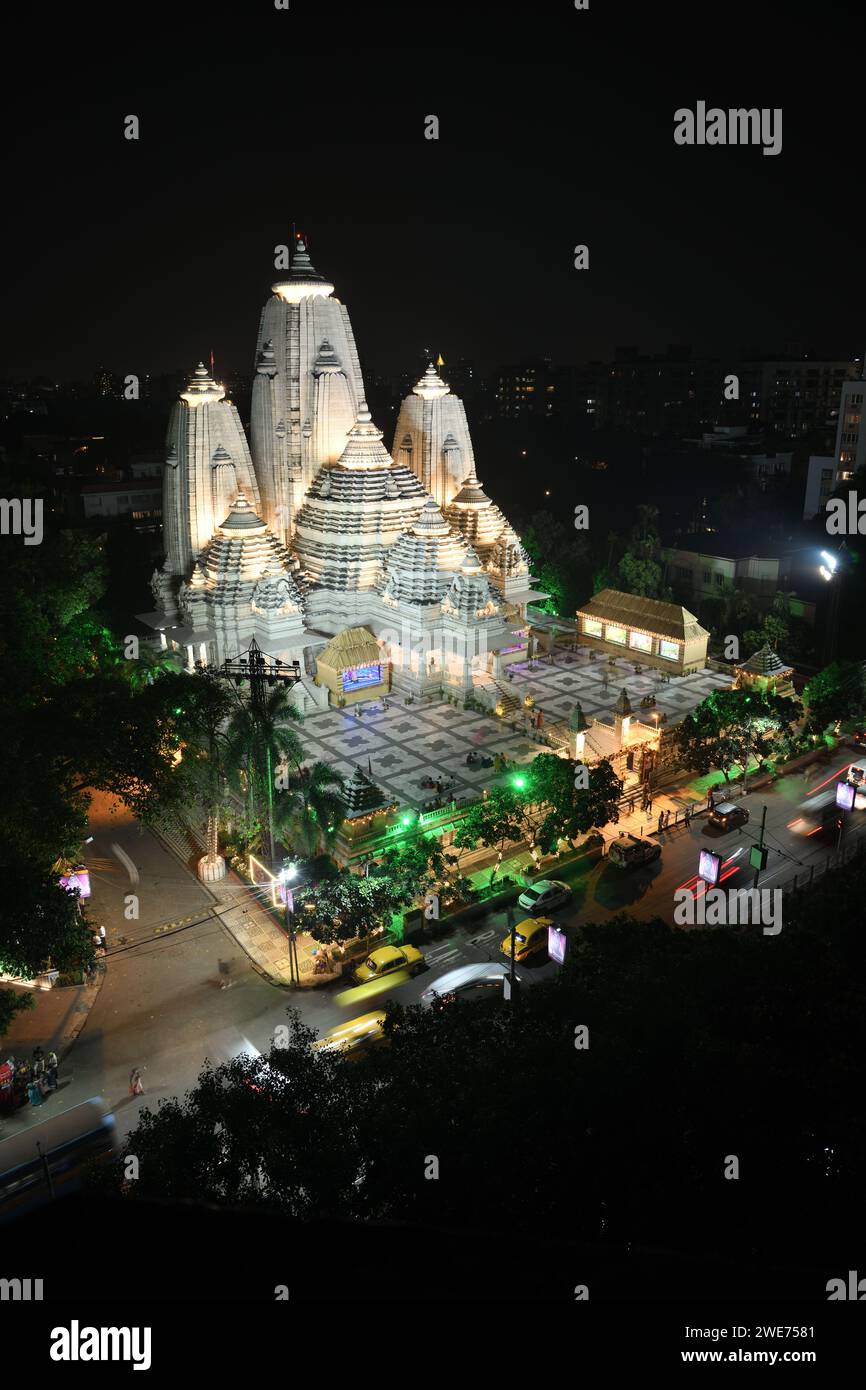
pixel 728 816
pixel 478 981
pixel 530 938
pixel 544 896
pixel 354 1036
pixel 386 960
pixel 630 851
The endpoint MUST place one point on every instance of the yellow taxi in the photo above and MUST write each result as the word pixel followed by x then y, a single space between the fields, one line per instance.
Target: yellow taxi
pixel 354 1036
pixel 386 960
pixel 530 938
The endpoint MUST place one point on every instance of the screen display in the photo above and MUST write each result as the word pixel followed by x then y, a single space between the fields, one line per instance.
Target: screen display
pixel 845 795
pixel 709 865
pixel 80 879
pixel 556 944
pixel 356 677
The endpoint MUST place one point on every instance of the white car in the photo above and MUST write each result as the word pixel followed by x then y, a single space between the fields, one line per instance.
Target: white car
pixel 480 980
pixel 545 895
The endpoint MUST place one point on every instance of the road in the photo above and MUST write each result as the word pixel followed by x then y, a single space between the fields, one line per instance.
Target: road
pixel 161 1006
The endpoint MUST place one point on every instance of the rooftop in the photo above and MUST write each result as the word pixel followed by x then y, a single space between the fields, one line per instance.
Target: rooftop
pixel 644 614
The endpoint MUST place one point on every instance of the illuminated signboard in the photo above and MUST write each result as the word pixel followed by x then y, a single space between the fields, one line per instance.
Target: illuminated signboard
pixel 80 879
pixel 845 795
pixel 556 944
pixel 709 865
pixel 356 677
pixel 505 651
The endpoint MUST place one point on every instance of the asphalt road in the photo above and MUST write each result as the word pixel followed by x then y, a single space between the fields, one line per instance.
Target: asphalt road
pixel 161 1006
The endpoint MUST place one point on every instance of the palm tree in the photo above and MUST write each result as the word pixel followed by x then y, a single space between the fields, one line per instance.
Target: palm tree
pixel 310 808
pixel 257 741
pixel 206 761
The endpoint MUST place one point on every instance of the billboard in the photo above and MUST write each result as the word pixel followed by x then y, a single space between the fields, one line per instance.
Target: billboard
pixel 709 865
pixel 845 795
pixel 80 879
pixel 556 944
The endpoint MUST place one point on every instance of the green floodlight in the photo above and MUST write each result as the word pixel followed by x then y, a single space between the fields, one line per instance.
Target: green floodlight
pixel 519 782
pixel 406 818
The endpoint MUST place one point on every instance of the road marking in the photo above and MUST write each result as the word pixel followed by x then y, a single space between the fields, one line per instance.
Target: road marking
pixel 126 862
pixel 485 935
pixel 449 955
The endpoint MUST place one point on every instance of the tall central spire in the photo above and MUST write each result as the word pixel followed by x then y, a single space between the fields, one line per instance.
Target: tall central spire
pixel 303 279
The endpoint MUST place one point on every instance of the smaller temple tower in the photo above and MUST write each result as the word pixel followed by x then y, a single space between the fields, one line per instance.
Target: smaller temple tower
pixel 207 463
pixel 432 437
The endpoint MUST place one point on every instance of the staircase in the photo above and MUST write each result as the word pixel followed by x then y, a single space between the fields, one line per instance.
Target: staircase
pixel 497 692
pixel 186 845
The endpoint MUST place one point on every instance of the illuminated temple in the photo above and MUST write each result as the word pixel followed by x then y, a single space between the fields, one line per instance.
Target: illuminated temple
pixel 319 542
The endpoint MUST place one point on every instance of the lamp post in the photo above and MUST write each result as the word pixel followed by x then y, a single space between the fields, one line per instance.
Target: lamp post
pixel 832 572
pixel 287 875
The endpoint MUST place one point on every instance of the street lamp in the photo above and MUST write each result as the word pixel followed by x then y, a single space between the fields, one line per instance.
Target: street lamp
pixel 831 572
pixel 287 875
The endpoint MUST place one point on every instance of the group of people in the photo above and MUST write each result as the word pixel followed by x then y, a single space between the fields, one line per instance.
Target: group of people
pixel 37 1078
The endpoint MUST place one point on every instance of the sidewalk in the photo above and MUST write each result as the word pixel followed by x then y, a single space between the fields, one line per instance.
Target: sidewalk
pixel 54 1022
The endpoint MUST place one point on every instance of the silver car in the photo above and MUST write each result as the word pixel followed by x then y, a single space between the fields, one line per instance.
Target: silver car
pixel 479 980
pixel 543 896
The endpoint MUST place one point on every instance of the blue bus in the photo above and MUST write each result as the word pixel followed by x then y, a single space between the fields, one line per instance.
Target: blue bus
pixel 47 1160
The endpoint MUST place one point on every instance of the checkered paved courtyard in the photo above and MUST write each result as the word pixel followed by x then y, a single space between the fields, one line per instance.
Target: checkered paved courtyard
pixel 406 745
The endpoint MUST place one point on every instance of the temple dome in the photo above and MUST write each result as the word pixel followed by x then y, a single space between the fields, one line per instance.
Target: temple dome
pixel 469 597
pixel 241 554
pixel 422 563
pixel 303 280
pixel 430 386
pixel 355 510
pixel 487 530
pixel 201 388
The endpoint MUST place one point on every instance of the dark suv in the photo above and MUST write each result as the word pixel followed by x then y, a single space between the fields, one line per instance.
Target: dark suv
pixel 629 851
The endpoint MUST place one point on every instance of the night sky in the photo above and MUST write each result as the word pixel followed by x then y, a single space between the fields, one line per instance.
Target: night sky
pixel 556 129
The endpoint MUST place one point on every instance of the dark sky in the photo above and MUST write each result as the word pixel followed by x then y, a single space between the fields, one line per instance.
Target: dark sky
pixel 556 128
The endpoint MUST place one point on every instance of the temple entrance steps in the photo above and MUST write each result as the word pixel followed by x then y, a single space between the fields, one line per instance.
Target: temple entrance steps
pixel 495 691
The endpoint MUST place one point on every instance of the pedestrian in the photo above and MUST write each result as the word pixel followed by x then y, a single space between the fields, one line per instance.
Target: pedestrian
pixel 102 935
pixel 661 821
pixel 38 1054
pixel 136 1088
pixel 688 815
pixel 38 1066
pixel 649 804
pixel 51 1067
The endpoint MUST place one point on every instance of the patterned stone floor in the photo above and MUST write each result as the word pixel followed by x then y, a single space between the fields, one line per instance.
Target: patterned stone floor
pixel 597 684
pixel 406 744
